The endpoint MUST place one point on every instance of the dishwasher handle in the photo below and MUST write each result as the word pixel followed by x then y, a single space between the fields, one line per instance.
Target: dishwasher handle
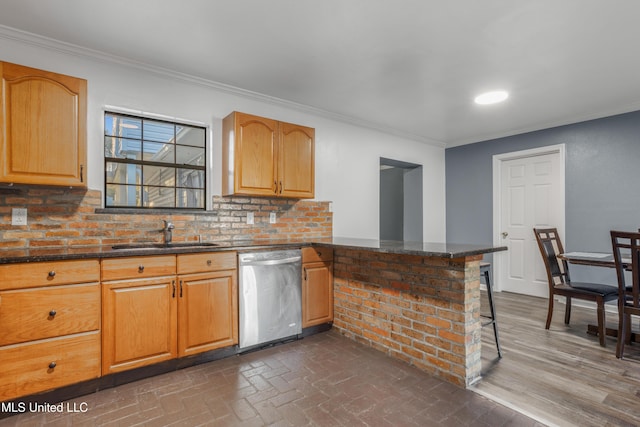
pixel 273 261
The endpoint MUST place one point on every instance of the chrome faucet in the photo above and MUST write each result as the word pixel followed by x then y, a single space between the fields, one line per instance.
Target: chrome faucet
pixel 168 228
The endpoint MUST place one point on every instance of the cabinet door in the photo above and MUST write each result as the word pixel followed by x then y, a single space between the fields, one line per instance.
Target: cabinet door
pixel 207 312
pixel 296 167
pixel 139 323
pixel 254 156
pixel 44 127
pixel 317 293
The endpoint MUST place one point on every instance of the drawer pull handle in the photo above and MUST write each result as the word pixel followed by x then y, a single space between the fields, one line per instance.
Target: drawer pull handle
pixel 209 262
pixel 140 268
pixel 52 365
pixel 52 313
pixel 52 273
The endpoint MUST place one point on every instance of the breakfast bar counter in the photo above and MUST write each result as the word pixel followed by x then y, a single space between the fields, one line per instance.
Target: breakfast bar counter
pixel 417 302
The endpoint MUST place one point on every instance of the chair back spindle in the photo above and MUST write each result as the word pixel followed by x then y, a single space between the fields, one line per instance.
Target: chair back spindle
pixel 550 245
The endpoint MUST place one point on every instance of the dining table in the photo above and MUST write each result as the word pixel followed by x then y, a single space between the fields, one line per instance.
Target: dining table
pixel 597 259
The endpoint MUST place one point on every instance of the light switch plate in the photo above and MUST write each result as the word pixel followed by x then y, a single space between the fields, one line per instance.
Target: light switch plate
pixel 18 216
pixel 249 217
pixel 272 218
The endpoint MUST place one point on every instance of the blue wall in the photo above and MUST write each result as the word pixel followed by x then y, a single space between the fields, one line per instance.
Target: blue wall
pixel 602 181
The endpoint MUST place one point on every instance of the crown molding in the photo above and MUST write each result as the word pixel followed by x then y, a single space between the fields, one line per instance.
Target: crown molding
pixel 65 48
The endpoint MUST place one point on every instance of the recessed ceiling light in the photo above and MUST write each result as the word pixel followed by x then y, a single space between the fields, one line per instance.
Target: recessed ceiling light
pixel 491 97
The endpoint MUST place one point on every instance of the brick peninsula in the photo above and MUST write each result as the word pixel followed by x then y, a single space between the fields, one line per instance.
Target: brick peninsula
pixel 417 302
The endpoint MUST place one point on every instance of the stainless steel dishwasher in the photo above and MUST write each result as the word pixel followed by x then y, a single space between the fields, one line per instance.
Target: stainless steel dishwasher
pixel 270 296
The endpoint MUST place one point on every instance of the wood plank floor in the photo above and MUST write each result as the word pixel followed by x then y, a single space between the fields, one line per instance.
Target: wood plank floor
pixel 560 376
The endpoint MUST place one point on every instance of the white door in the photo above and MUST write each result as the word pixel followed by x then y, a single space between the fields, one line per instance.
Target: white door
pixel 531 194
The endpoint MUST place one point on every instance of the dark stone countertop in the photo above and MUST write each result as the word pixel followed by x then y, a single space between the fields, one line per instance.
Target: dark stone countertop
pixel 441 250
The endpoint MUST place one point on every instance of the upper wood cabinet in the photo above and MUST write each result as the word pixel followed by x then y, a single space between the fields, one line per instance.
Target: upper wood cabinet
pixel 264 157
pixel 44 134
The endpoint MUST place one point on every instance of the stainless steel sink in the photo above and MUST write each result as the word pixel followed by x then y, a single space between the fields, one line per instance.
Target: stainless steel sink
pixel 164 245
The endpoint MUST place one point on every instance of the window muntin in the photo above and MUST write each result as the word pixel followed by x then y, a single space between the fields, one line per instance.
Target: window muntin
pixel 153 163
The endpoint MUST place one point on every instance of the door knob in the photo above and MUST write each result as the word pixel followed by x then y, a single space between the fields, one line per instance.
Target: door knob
pixel 504 234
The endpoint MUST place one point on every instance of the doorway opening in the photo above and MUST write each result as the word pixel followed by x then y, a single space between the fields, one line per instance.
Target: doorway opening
pixel 400 200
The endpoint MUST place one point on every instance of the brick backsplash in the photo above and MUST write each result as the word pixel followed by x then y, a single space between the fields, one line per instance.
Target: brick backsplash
pixel 68 217
pixel 422 310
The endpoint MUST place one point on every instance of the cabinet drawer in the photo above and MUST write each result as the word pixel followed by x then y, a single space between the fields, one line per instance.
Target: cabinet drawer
pixel 38 313
pixel 38 274
pixel 138 267
pixel 316 254
pixel 205 262
pixel 47 364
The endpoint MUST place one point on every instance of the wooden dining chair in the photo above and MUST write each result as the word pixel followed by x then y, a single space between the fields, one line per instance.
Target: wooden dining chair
pixel 626 254
pixel 561 284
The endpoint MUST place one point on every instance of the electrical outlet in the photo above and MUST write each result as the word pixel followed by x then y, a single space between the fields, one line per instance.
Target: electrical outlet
pixel 249 217
pixel 19 216
pixel 272 218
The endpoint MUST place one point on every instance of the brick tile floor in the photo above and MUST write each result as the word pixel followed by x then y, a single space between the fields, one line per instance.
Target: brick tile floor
pixel 322 380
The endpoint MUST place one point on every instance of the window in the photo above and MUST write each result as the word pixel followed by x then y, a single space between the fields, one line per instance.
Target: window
pixel 151 163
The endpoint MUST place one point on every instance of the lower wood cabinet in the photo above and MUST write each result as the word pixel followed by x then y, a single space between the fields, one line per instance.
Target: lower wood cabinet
pixel 190 308
pixel 208 302
pixel 139 312
pixel 49 325
pixel 317 286
pixel 139 323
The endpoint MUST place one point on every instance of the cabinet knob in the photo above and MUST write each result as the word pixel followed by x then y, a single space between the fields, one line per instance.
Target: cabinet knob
pixel 209 262
pixel 140 268
pixel 52 365
pixel 52 313
pixel 52 273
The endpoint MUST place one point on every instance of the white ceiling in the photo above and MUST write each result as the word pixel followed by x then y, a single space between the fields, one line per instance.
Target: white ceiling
pixel 409 67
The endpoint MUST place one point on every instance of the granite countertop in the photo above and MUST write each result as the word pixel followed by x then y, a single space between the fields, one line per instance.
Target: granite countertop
pixel 443 250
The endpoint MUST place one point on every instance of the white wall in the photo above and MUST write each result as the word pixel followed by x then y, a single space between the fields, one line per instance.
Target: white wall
pixel 347 156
